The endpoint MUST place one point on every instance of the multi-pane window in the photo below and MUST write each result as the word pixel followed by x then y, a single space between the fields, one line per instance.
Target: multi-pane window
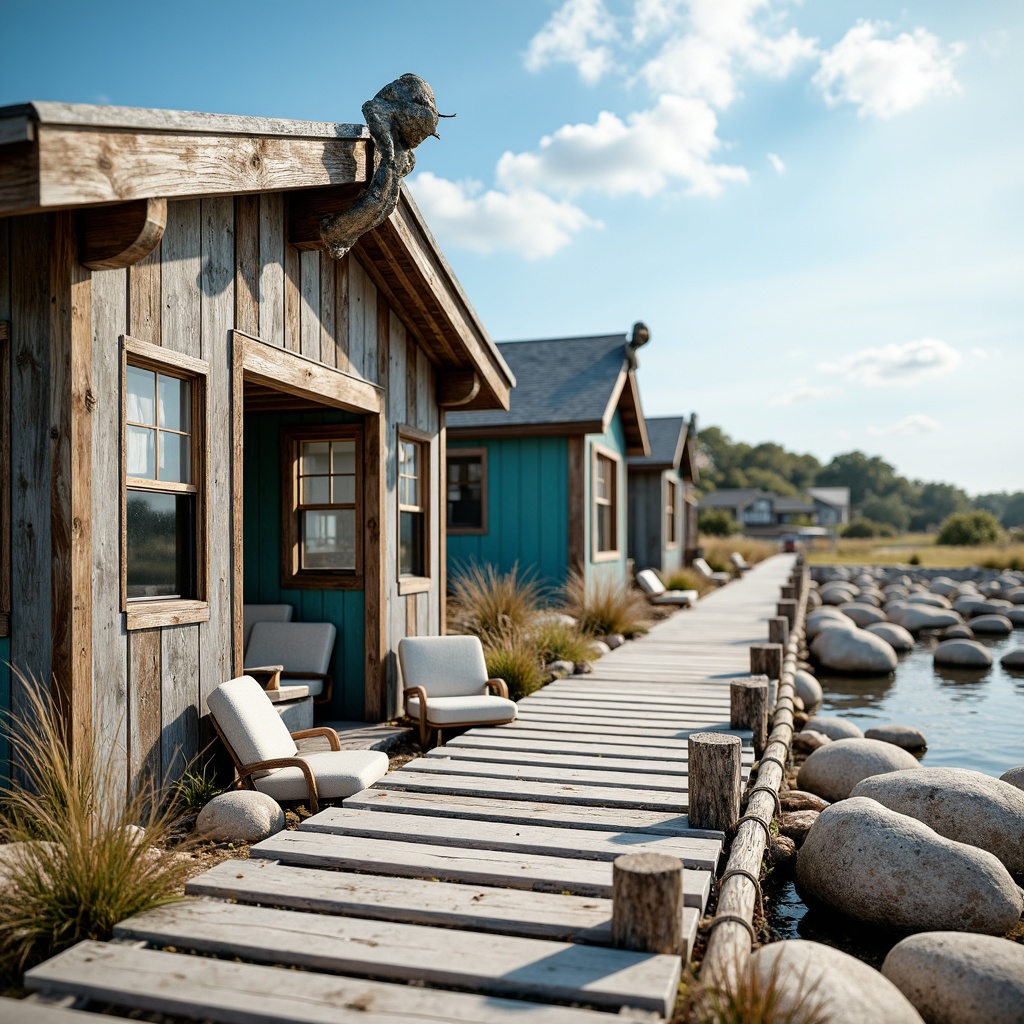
pixel 671 512
pixel 467 491
pixel 161 484
pixel 412 507
pixel 605 517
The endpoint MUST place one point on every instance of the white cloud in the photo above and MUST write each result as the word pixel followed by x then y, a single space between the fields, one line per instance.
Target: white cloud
pixel 885 77
pixel 979 353
pixel 575 34
pixel 777 163
pixel 673 141
pixel 803 391
pixel 897 364
pixel 652 18
pixel 909 426
pixel 524 221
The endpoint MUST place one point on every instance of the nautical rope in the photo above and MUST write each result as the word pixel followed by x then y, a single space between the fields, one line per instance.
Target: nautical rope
pixel 760 821
pixel 746 874
pixel 774 795
pixel 736 919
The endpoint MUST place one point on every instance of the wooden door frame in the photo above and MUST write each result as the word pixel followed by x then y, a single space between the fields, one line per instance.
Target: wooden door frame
pixel 255 361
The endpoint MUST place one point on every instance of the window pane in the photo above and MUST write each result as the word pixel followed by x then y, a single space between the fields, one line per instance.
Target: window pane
pixel 412 491
pixel 315 491
pixel 175 412
pixel 601 484
pixel 410 544
pixel 465 493
pixel 160 544
pixel 316 457
pixel 329 539
pixel 141 395
pixel 474 470
pixel 174 458
pixel 605 531
pixel 344 453
pixel 141 455
pixel 344 490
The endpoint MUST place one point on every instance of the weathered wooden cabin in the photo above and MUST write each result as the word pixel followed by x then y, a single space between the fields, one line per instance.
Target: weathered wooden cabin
pixel 662 507
pixel 202 408
pixel 544 484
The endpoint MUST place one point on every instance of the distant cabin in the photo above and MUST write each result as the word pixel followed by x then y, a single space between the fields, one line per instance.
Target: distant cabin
pixel 203 410
pixel 544 485
pixel 662 507
pixel 763 513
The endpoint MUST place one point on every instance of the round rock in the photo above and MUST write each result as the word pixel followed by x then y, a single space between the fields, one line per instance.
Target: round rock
pixel 1016 616
pixel 885 868
pixel 915 618
pixel 825 617
pixel 834 728
pixel 1013 659
pixel 960 804
pixel 991 625
pixel 953 978
pixel 895 636
pixel 1015 777
pixel 962 654
pixel 833 770
pixel 796 824
pixel 962 632
pixel 853 651
pixel 842 989
pixel 904 736
pixel 808 689
pixel 933 600
pixel 807 741
pixel 240 816
pixel 801 800
pixel 862 614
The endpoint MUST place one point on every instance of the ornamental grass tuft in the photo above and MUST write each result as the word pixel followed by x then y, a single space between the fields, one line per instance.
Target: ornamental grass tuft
pixel 81 867
pixel 606 606
pixel 560 641
pixel 490 604
pixel 514 658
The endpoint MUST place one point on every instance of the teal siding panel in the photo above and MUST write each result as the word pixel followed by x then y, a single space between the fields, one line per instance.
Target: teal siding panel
pixel 613 438
pixel 5 709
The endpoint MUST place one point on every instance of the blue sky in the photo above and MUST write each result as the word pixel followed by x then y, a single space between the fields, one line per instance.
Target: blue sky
pixel 817 207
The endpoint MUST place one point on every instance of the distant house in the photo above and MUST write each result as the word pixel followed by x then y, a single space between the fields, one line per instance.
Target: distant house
pixel 544 485
pixel 662 509
pixel 767 514
pixel 201 409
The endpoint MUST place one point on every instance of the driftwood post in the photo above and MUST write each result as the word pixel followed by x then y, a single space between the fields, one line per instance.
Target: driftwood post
pixel 714 780
pixel 748 709
pixel 647 903
pixel 788 609
pixel 766 660
pixel 778 630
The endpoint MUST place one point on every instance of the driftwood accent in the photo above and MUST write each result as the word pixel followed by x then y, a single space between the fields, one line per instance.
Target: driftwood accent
pixel 647 903
pixel 778 630
pixel 457 387
pixel 113 237
pixel 714 794
pixel 766 660
pixel 748 709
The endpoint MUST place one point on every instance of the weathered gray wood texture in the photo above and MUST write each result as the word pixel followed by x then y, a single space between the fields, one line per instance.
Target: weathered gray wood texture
pixel 649 547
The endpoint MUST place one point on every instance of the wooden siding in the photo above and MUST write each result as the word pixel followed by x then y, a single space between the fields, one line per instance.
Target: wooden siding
pixel 648 545
pixel 614 439
pixel 528 501
pixel 5 707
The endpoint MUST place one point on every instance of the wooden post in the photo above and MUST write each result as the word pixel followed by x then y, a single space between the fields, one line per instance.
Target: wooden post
pixel 778 631
pixel 647 903
pixel 748 709
pixel 714 779
pixel 766 660
pixel 789 593
pixel 787 608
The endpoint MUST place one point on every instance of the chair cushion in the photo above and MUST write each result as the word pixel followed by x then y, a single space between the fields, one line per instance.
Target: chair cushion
pixel 647 580
pixel 465 710
pixel 315 686
pixel 299 646
pixel 338 774
pixel 250 723
pixel 445 666
pixel 683 597
pixel 253 613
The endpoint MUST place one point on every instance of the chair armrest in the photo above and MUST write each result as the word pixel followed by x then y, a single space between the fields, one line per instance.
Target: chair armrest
pixel 418 692
pixel 324 730
pixel 268 676
pixel 499 686
pixel 287 762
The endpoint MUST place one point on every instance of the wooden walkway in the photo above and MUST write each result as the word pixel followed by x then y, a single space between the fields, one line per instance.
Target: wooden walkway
pixel 473 884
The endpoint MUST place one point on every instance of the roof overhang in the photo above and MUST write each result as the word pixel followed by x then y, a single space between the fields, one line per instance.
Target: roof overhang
pixel 626 399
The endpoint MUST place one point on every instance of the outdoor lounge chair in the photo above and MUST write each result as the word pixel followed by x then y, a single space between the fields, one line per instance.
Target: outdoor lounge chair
pixel 741 564
pixel 446 684
pixel 650 583
pixel 280 654
pixel 708 573
pixel 267 759
pixel 253 613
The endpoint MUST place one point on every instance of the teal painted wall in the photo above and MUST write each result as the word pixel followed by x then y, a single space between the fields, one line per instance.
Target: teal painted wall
pixel 5 708
pixel 528 508
pixel 614 439
pixel 262 559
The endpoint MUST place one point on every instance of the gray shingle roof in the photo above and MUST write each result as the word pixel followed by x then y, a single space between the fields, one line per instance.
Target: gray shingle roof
pixel 558 380
pixel 732 498
pixel 664 433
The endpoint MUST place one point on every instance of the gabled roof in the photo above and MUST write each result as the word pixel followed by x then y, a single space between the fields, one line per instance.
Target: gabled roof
pixel 563 386
pixel 672 443
pixel 734 497
pixel 837 497
pixel 793 506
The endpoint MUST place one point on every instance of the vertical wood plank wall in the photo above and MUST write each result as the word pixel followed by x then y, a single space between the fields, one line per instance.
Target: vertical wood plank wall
pixel 222 263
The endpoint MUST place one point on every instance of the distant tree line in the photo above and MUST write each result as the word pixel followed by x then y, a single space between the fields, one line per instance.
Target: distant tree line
pixel 879 496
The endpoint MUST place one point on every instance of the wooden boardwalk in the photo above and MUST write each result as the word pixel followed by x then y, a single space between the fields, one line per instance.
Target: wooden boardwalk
pixel 473 884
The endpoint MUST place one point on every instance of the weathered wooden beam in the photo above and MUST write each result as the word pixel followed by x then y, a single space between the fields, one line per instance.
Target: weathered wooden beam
pixel 457 387
pixel 306 209
pixel 113 237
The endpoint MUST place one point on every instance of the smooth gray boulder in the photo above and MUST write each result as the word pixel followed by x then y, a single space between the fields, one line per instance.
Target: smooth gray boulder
pixel 823 618
pixel 1015 595
pixel 991 625
pixel 895 636
pixel 1013 659
pixel 834 728
pixel 796 824
pixel 808 689
pixel 943 586
pixel 862 614
pixel 843 990
pixel 967 806
pixel 853 651
pixel 834 770
pixel 807 741
pixel 240 816
pixel 1016 616
pixel 962 654
pixel 933 600
pixel 885 868
pixel 1015 777
pixel 905 736
pixel 953 978
pixel 961 632
pixel 915 618
pixel 801 800
pixel 970 604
